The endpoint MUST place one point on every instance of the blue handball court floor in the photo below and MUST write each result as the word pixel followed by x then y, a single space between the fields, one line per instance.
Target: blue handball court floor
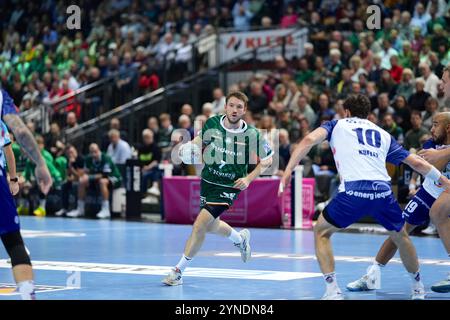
pixel 82 259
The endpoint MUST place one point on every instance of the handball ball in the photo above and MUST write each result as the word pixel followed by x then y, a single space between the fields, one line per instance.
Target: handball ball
pixel 190 153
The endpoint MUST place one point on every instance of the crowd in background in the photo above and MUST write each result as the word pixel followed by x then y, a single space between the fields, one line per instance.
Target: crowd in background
pixel 398 67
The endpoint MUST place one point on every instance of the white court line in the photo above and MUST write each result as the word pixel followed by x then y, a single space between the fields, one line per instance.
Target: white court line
pixel 164 270
pixel 43 234
pixel 435 262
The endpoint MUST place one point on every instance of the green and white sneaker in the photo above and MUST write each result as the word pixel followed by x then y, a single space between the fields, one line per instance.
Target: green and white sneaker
pixel 174 278
pixel 244 246
pixel 370 281
pixel 442 286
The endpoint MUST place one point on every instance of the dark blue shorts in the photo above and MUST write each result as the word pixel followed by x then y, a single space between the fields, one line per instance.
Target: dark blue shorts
pixel 374 199
pixel 9 220
pixel 417 211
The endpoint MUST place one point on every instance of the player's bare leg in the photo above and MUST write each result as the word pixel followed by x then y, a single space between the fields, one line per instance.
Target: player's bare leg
pixel 372 279
pixel 409 258
pixel 206 223
pixel 324 253
pixel 199 229
pixel 83 184
pixel 104 213
pixel 440 216
pixel 21 264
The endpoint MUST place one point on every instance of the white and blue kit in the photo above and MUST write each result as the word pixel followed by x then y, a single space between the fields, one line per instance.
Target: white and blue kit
pixel 417 210
pixel 9 220
pixel 361 150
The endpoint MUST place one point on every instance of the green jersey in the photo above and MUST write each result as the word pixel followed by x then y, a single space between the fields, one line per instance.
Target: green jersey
pixel 228 152
pixel 105 166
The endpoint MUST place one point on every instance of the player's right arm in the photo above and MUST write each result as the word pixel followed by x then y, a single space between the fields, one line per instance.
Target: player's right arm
pixel 302 149
pixel 426 169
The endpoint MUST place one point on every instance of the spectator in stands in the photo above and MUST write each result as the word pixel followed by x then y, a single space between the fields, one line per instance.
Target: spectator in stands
pixel 383 107
pixel 325 112
pixel 435 64
pixel 280 99
pixel 305 110
pixel 149 156
pixel 257 99
pixel 183 57
pixel 431 80
pixel 357 68
pixel 387 84
pixel 153 124
pixel 148 79
pixel 165 134
pixel 241 15
pixel 290 17
pixel 412 137
pixel 285 120
pixel 100 173
pixel 392 128
pixel 219 101
pixel 420 18
pixel 304 73
pixel 417 100
pixel 118 150
pixel 284 148
pixel 207 110
pixel 406 86
pixel 114 123
pixel 187 110
pixel 71 120
pixel 184 122
pixel 54 141
pixel 431 109
pixel 396 70
pixel 375 72
pixel 74 170
pixel 335 67
pixel 402 114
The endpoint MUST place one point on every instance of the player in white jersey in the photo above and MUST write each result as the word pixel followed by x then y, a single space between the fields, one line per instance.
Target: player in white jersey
pixel 9 220
pixel 441 208
pixel 417 211
pixel 360 150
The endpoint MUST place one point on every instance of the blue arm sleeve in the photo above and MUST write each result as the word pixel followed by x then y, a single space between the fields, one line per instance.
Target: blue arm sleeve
pixel 329 126
pixel 7 104
pixel 396 153
pixel 429 144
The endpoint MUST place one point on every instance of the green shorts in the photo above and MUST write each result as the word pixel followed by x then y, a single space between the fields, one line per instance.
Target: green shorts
pixel 217 195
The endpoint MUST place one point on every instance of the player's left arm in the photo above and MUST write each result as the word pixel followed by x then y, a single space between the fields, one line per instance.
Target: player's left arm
pixel 302 149
pixel 244 182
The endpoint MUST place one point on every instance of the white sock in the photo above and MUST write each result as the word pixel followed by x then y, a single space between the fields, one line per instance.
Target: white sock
pixel 105 204
pixel 26 289
pixel 80 206
pixel 377 264
pixel 235 237
pixel 415 276
pixel 183 263
pixel 331 281
pixel 42 203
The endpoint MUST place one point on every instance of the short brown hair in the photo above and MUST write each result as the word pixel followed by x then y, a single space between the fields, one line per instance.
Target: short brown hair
pixel 359 105
pixel 239 95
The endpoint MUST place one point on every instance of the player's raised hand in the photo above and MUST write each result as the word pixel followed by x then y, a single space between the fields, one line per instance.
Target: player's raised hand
pixel 431 155
pixel 241 183
pixel 284 182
